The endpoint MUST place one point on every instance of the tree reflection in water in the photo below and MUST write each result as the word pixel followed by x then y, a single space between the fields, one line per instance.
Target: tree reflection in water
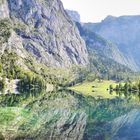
pixel 36 114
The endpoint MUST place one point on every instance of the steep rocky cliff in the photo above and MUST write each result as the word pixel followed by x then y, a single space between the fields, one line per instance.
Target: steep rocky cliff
pixel 41 29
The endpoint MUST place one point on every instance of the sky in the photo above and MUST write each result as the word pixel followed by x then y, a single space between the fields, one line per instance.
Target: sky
pixel 97 10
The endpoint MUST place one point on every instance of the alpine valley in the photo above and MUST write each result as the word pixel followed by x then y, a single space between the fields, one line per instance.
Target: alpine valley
pixel 61 79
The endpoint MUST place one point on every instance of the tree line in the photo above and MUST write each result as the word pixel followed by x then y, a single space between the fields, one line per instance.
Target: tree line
pixel 126 87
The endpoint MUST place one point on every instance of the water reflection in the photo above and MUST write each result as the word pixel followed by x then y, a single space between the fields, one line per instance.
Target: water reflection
pixel 60 115
pixel 126 127
pixel 135 96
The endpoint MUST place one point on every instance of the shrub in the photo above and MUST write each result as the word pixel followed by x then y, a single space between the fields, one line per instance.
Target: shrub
pixel 5 32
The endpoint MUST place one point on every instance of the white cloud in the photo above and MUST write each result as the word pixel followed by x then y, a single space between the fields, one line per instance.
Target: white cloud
pixel 96 10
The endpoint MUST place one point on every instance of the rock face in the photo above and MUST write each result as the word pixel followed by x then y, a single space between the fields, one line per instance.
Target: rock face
pixel 4 11
pixel 124 31
pixel 46 32
pixel 74 15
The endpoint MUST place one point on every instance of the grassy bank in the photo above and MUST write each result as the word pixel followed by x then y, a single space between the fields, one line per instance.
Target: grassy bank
pixel 95 88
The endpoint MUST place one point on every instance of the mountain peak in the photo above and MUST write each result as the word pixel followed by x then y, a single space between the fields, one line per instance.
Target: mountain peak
pixel 74 15
pixel 124 31
pixel 109 18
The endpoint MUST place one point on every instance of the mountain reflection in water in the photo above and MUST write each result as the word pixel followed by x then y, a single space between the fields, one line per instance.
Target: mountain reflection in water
pixel 61 115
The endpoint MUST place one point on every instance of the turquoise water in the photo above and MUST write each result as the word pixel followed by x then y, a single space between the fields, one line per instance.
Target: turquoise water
pixel 66 115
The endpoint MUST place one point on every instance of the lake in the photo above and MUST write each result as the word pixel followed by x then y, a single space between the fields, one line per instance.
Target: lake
pixel 66 115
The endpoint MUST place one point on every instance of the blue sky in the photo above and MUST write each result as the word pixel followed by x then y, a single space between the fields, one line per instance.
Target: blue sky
pixel 96 10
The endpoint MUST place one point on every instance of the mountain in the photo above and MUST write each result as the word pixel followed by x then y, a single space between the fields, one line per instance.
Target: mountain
pixel 42 29
pixel 74 15
pixel 39 34
pixel 104 56
pixel 123 31
pixel 101 45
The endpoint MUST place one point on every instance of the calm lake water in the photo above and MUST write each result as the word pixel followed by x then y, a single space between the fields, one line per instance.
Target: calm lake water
pixel 66 115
